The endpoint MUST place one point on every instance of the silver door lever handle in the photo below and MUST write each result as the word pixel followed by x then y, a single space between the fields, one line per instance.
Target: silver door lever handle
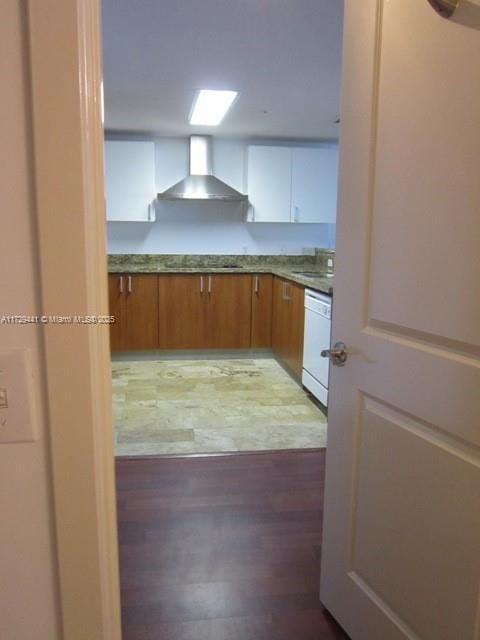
pixel 338 355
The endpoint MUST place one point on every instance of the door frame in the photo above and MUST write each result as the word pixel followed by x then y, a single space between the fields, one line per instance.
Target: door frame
pixel 65 72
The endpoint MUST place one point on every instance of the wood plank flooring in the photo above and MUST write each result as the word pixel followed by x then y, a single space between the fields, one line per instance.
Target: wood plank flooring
pixel 222 548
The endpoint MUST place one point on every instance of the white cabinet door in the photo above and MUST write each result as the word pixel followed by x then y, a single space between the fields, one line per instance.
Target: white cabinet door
pixel 269 183
pixel 129 180
pixel 314 184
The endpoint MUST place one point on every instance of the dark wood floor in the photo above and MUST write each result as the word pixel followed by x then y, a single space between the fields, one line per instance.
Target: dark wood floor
pixel 222 548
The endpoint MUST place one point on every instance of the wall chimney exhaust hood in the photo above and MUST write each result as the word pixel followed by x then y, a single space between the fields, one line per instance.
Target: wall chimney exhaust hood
pixel 201 184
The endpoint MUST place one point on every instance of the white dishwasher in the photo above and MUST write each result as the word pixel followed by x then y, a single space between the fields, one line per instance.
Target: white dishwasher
pixel 318 321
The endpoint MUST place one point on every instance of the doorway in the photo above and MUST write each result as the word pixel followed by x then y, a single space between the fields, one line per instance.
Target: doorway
pixel 222 305
pixel 72 445
pixel 210 294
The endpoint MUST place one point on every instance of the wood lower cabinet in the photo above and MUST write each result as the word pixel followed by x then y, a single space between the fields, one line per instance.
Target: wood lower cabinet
pixel 134 303
pixel 208 311
pixel 296 322
pixel 288 316
pixel 261 334
pixel 181 311
pixel 228 311
pixel 204 311
pixel 142 311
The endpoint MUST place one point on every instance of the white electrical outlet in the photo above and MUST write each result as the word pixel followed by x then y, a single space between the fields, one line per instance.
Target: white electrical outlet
pixel 329 262
pixel 16 396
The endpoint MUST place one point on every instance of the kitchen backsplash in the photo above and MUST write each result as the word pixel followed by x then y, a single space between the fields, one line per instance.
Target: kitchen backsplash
pixel 325 260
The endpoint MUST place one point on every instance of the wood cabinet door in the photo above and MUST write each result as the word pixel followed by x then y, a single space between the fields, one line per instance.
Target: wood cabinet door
pixel 229 308
pixel 261 336
pixel 279 318
pixel 182 310
pixel 116 299
pixel 295 318
pixel 288 315
pixel 142 311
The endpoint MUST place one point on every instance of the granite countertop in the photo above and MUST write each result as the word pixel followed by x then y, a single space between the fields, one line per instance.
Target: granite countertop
pixel 286 267
pixel 321 283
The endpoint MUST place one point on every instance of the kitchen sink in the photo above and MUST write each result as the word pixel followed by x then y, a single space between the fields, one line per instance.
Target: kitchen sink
pixel 314 274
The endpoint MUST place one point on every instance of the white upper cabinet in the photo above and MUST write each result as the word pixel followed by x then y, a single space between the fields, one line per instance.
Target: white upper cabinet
pixel 130 180
pixel 269 183
pixel 293 184
pixel 314 184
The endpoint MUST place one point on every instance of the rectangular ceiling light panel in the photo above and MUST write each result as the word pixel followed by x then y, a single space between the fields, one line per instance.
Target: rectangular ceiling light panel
pixel 210 107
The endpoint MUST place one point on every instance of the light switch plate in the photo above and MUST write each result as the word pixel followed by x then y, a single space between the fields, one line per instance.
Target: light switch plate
pixel 17 418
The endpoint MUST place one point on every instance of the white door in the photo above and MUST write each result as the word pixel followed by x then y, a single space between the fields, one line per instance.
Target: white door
pixel 270 183
pixel 314 184
pixel 401 547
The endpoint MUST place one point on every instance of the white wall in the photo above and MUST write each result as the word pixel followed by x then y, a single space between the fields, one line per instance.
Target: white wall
pixel 28 597
pixel 210 227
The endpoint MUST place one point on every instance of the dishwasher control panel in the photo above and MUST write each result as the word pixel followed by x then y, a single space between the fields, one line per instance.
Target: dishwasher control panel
pixel 318 303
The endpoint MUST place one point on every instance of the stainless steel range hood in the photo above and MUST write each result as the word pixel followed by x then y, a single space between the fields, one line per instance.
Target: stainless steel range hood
pixel 201 184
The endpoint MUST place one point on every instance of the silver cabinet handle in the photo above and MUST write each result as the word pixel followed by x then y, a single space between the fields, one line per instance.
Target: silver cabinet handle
pixel 209 284
pixel 201 284
pixel 129 286
pixel 120 284
pixel 338 355
pixel 256 284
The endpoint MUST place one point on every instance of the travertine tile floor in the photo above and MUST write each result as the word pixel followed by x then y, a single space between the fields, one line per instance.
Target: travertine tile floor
pixel 205 406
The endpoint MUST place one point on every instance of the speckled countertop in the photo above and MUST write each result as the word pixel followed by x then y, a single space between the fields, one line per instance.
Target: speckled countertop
pixel 283 266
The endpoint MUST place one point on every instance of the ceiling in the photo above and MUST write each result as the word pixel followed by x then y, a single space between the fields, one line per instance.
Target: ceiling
pixel 284 56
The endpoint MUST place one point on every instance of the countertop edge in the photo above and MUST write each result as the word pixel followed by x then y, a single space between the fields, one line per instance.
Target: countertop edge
pixel 324 285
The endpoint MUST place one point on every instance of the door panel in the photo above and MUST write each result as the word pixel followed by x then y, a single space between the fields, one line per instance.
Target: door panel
pixel 400 553
pixel 426 162
pixel 116 299
pixel 181 311
pixel 428 554
pixel 228 304
pixel 142 311
pixel 261 311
